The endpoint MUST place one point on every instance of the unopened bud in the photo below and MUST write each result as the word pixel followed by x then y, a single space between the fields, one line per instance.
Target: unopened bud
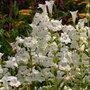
pixel 84 29
pixel 81 48
pixel 55 65
pixel 66 78
pixel 78 69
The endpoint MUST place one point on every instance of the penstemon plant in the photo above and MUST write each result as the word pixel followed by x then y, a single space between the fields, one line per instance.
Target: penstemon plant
pixel 52 57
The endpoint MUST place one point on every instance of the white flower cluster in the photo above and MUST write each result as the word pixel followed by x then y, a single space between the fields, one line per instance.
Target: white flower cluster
pixel 47 54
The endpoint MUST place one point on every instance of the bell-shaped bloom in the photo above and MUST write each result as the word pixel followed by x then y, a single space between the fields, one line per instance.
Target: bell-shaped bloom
pixel 74 13
pixel 82 22
pixel 50 5
pixel 43 7
pixel 5 83
pixel 89 32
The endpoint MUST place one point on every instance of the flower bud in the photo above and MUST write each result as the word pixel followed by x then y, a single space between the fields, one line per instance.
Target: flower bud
pixel 78 69
pixel 68 69
pixel 81 49
pixel 84 30
pixel 66 78
pixel 72 76
pixel 55 65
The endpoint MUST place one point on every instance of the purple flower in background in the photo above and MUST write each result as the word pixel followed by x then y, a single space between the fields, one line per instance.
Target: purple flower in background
pixel 0 17
pixel 64 20
pixel 61 2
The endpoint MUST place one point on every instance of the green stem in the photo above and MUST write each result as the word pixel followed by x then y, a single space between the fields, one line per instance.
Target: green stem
pixel 56 84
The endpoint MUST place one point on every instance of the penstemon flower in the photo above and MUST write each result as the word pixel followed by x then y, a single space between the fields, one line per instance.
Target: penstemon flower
pixel 43 7
pixel 50 5
pixel 74 13
pixel 53 56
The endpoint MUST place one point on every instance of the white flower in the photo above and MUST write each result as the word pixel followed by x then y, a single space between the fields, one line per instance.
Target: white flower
pixel 6 72
pixel 23 73
pixel 73 35
pixel 4 80
pixel 84 39
pixel 50 5
pixel 43 7
pixel 19 40
pixel 65 38
pixel 36 75
pixel 55 25
pixel 50 55
pixel 41 58
pixel 74 44
pixel 53 46
pixel 81 23
pixel 85 57
pixel 68 56
pixel 47 37
pixel 1 70
pixel 76 58
pixel 48 62
pixel 11 63
pixel 43 45
pixel 67 88
pixel 74 13
pixel 13 81
pixel 68 28
pixel 2 88
pixel 64 64
pixel 89 32
pixel 30 42
pixel 22 56
pixel 39 18
pixel 47 73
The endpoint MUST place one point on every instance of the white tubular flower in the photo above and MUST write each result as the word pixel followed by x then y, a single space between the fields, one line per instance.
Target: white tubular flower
pixel 50 5
pixel 1 70
pixel 43 7
pixel 53 47
pixel 13 81
pixel 11 63
pixel 68 56
pixel 74 13
pixel 22 56
pixel 19 39
pixel 65 38
pixel 81 23
pixel 4 80
pixel 56 25
pixel 89 32
pixel 64 64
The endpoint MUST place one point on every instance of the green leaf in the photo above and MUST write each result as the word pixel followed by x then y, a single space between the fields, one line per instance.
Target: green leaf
pixel 15 9
pixel 1 32
pixel 10 20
